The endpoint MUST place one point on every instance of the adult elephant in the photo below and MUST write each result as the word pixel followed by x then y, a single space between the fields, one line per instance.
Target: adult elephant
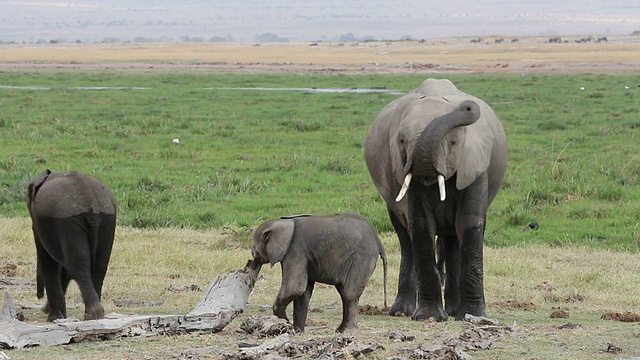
pixel 74 221
pixel 434 138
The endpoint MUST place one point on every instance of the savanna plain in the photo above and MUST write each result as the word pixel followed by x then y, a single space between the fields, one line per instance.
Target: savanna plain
pixel 202 143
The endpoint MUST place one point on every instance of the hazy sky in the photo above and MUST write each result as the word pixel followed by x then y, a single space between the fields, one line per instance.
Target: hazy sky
pixel 307 20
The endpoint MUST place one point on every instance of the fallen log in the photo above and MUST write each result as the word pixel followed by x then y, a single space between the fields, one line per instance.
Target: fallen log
pixel 223 299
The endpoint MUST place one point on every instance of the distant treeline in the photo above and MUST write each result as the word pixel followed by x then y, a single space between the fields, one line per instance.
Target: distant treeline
pixel 265 37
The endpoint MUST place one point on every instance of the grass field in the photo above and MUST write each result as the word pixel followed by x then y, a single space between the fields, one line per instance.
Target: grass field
pixel 187 209
pixel 245 155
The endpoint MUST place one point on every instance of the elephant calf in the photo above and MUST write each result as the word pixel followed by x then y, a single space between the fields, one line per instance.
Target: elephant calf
pixel 339 250
pixel 74 221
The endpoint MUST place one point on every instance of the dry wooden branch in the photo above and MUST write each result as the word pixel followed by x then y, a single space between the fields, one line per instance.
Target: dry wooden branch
pixel 223 299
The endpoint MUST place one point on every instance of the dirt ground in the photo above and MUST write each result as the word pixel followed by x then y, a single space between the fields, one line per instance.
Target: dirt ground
pixel 532 53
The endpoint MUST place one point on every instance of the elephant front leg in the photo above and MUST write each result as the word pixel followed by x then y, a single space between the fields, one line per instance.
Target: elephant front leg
pixel 301 308
pixel 470 225
pixel 449 250
pixel 294 284
pixel 405 302
pixel 280 305
pixel 472 274
pixel 426 270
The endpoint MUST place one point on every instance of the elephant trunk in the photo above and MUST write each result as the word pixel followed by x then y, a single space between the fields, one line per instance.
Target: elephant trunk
pixel 429 146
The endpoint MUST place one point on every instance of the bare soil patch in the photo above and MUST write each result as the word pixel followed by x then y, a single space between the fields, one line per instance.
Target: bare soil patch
pixel 533 53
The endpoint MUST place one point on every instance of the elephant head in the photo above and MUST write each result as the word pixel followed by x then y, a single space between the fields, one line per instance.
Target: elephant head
pixel 271 240
pixel 446 146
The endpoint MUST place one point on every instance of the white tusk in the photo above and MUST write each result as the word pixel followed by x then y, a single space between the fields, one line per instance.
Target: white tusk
pixel 443 192
pixel 405 187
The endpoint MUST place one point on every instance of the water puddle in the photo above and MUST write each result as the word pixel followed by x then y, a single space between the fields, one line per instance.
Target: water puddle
pixel 24 87
pixel 28 87
pixel 315 90
pixel 311 89
pixel 109 88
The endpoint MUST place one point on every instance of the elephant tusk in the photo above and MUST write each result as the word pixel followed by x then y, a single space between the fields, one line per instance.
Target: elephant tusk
pixel 443 192
pixel 405 187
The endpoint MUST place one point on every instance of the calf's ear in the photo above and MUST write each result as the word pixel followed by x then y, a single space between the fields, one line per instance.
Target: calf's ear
pixel 35 185
pixel 277 237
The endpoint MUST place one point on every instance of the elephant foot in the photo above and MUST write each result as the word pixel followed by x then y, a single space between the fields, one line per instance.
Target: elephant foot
pixel 281 313
pixel 475 309
pixel 402 307
pixel 94 312
pixel 45 309
pixel 55 315
pixel 451 304
pixel 432 314
pixel 451 310
pixel 346 327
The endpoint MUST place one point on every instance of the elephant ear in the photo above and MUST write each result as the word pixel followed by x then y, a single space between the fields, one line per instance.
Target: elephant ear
pixel 35 185
pixel 476 153
pixel 277 238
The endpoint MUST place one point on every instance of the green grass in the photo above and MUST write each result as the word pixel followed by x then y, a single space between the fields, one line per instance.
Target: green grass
pixel 247 156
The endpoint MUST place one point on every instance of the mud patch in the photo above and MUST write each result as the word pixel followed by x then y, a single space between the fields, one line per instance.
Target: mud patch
pixel 559 314
pixel 9 270
pixel 626 316
pixel 372 310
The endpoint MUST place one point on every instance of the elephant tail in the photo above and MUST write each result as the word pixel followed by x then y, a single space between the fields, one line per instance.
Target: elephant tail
pixel 383 256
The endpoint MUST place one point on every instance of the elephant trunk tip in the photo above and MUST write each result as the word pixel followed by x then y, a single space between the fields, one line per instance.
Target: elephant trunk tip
pixel 471 108
pixel 253 264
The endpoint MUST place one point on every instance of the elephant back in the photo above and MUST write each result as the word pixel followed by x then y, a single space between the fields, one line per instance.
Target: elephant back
pixel 66 194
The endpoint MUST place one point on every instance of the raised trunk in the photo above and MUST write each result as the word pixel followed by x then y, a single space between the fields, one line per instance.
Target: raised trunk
pixel 429 144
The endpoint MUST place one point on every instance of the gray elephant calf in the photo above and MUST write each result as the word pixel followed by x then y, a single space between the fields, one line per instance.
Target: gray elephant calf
pixel 74 221
pixel 339 250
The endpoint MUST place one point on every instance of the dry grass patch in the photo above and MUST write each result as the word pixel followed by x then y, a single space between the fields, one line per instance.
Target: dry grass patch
pixel 441 54
pixel 524 286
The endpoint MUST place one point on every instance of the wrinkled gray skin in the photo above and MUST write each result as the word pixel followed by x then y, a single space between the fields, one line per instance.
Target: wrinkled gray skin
pixel 74 221
pixel 339 250
pixel 437 129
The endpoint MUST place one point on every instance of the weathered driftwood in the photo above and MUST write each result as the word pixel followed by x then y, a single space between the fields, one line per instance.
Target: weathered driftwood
pixel 6 283
pixel 223 299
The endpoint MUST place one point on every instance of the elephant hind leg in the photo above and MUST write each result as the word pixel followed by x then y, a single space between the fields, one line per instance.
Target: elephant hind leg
pixel 102 254
pixel 350 297
pixel 405 302
pixel 78 267
pixel 50 273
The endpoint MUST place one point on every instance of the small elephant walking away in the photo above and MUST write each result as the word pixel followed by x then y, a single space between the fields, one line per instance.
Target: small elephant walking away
pixel 340 250
pixel 74 222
